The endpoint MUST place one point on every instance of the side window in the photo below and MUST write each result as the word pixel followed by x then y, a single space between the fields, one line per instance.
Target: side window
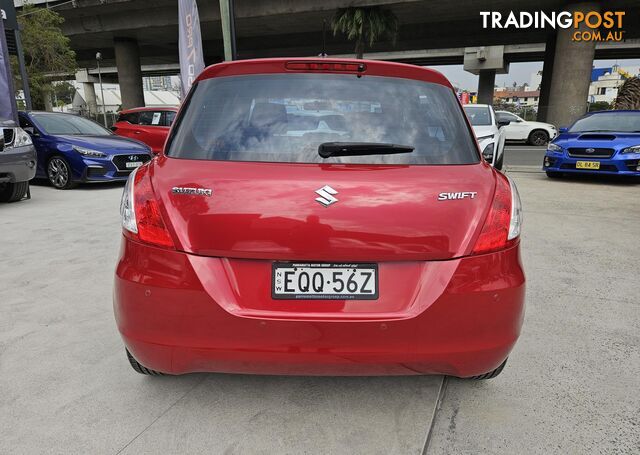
pixel 145 117
pixel 150 118
pixel 131 117
pixel 506 116
pixel 169 117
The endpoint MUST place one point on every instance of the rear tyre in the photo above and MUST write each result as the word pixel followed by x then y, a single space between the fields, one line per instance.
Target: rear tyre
pixel 59 173
pixel 538 137
pixel 491 374
pixel 13 192
pixel 140 368
pixel 554 175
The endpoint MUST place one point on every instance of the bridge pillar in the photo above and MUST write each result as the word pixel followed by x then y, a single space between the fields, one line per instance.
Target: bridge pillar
pixel 486 84
pixel 90 97
pixel 485 61
pixel 571 74
pixel 545 83
pixel 129 72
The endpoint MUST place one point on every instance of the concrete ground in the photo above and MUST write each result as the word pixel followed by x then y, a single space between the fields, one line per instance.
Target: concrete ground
pixel 518 155
pixel 571 384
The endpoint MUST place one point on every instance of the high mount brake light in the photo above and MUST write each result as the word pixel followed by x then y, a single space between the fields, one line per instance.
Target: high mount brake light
pixel 141 217
pixel 501 228
pixel 326 66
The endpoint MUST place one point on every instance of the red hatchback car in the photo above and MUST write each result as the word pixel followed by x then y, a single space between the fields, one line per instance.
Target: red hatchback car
pixel 320 217
pixel 147 124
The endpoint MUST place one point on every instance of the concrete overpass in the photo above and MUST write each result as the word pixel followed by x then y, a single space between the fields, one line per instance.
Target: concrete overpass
pixel 135 33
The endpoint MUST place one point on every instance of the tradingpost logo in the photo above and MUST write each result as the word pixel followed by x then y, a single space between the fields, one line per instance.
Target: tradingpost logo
pixel 588 26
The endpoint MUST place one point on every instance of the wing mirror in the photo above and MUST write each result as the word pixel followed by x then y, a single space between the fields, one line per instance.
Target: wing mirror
pixel 31 131
pixel 502 123
pixel 563 129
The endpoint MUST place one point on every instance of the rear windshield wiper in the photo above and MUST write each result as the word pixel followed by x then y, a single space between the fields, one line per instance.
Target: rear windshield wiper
pixel 329 149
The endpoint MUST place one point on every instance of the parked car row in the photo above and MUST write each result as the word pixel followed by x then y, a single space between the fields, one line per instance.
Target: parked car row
pixel 72 149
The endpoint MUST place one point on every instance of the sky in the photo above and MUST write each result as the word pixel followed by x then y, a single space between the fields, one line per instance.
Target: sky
pixel 518 72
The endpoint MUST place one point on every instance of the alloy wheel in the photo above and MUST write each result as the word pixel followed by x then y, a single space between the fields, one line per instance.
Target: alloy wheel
pixel 539 138
pixel 58 172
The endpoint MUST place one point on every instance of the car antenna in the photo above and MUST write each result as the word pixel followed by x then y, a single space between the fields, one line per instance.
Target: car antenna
pixel 324 40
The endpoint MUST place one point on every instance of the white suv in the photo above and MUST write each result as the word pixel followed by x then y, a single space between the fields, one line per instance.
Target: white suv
pixel 519 129
pixel 489 132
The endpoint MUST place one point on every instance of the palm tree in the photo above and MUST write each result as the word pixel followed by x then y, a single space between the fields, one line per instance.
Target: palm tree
pixel 628 95
pixel 365 25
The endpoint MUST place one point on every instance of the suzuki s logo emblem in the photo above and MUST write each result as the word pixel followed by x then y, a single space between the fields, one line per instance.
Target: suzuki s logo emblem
pixel 590 150
pixel 133 157
pixel 326 196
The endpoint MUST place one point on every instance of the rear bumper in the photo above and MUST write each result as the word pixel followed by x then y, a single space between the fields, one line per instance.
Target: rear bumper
pixel 180 313
pixel 18 164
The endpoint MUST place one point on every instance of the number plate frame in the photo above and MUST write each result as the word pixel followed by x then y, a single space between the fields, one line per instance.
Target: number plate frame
pixel 594 165
pixel 325 296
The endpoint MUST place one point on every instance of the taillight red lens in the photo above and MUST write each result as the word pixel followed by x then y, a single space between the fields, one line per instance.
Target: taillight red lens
pixel 495 232
pixel 326 66
pixel 151 227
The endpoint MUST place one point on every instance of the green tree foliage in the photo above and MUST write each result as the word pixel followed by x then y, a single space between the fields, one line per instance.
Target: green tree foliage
pixel 599 106
pixel 365 26
pixel 63 93
pixel 46 51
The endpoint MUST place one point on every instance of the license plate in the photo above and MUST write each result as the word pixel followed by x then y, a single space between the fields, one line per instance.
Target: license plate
pixel 587 164
pixel 324 281
pixel 133 164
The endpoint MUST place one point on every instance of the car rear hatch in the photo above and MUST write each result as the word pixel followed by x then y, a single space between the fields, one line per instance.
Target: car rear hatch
pixel 270 210
pixel 246 186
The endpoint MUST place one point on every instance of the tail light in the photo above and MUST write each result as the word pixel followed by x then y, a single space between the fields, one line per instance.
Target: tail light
pixel 319 65
pixel 502 226
pixel 140 211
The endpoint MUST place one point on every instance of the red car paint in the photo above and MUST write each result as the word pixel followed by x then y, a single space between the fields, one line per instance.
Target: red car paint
pixel 193 286
pixel 154 135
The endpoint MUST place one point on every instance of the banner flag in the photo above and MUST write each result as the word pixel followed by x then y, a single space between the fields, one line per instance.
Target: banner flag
pixel 8 108
pixel 190 44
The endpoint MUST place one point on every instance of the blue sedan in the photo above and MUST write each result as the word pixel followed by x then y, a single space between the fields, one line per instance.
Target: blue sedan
pixel 73 149
pixel 605 142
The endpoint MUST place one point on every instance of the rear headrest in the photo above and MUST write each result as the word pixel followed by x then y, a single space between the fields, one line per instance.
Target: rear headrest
pixel 265 115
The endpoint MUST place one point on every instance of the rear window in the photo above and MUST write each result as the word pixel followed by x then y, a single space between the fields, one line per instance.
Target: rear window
pixel 285 117
pixel 478 115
